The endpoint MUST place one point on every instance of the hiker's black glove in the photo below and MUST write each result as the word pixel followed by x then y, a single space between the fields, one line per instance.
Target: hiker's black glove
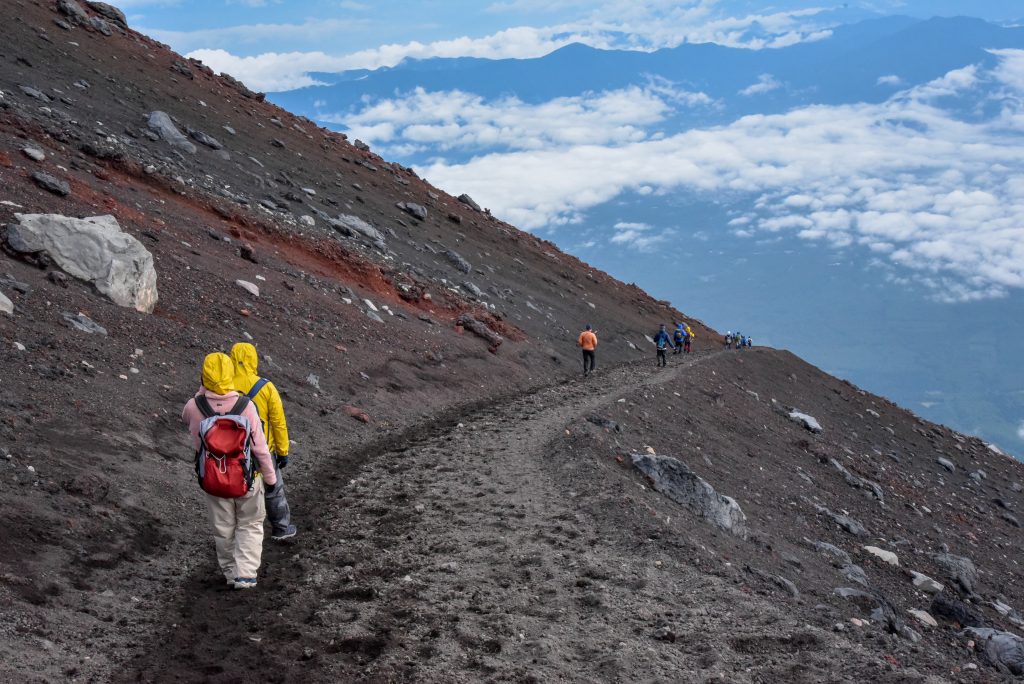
pixel 282 462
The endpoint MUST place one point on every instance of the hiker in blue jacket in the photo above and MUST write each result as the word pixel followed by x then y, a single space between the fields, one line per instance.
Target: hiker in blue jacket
pixel 677 339
pixel 662 342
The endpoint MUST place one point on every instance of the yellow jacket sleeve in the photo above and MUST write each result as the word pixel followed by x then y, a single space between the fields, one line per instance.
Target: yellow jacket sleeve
pixel 276 423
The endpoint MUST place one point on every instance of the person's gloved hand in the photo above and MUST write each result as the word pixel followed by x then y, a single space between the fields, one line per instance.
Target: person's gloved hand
pixel 282 461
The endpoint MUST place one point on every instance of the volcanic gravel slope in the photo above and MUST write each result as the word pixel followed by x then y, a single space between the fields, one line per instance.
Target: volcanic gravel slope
pixel 521 545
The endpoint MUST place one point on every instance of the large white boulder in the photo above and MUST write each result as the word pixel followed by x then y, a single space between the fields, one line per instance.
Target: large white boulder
pixel 93 249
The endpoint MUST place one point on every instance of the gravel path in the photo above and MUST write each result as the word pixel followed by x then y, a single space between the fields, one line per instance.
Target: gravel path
pixel 456 553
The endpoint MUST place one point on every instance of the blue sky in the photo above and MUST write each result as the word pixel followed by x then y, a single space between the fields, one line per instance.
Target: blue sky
pixel 270 43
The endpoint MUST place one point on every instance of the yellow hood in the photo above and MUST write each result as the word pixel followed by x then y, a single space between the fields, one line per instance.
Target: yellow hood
pixel 243 355
pixel 218 373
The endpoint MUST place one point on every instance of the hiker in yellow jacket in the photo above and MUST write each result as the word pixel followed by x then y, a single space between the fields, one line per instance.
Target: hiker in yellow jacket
pixel 268 403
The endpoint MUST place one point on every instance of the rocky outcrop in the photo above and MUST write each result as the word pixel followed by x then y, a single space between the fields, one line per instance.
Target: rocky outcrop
pixel 1003 650
pixel 675 480
pixel 108 11
pixel 417 211
pixel 95 250
pixel 161 124
pixel 346 224
pixel 481 330
pixel 468 201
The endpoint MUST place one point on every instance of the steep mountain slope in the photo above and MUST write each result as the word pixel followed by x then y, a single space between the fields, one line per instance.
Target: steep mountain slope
pixel 422 450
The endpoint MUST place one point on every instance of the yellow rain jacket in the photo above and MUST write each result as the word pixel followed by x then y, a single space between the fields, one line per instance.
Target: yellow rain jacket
pixel 268 400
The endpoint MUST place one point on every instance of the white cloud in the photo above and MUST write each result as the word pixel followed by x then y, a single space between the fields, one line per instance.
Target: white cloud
pixel 445 120
pixel 765 84
pixel 646 26
pixel 1020 431
pixel 905 179
pixel 890 80
pixel 639 236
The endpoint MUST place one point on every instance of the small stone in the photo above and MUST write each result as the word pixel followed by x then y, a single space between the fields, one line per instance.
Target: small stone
pixel 307 221
pixel 34 153
pixel 51 183
pixel 6 305
pixel 926 583
pixel 31 469
pixel 419 508
pixel 374 317
pixel 923 617
pixel 946 463
pixel 19 346
pixel 251 288
pixel 856 622
pixel 886 556
pixel 450 567
pixel 665 634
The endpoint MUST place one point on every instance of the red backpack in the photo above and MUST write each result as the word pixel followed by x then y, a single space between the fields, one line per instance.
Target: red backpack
pixel 224 461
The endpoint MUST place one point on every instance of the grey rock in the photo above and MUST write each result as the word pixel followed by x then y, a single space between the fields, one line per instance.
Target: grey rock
pixel 205 139
pixel 872 489
pixel 925 583
pixel 849 524
pixel 417 211
pixel 473 289
pixel 841 558
pixel 62 24
pixel 161 124
pixel 854 573
pixel 946 463
pixel 313 380
pixel 109 11
pixel 6 305
pixel 33 153
pixel 456 259
pixel 51 183
pixel 603 422
pixel 307 221
pixel 82 322
pixel 777 580
pixel 480 329
pixel 251 288
pixel 95 250
pixel 73 11
pixel 979 475
pixel 100 25
pixel 374 316
pixel 35 93
pixel 1010 519
pixel 468 201
pixel 959 569
pixel 676 481
pixel 347 224
pixel 360 145
pixel 1003 650
pixel 809 422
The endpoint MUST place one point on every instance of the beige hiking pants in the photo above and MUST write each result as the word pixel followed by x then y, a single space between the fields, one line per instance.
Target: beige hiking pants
pixel 238 531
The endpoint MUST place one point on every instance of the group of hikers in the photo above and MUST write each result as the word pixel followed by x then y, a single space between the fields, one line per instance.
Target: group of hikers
pixel 240 437
pixel 737 340
pixel 680 342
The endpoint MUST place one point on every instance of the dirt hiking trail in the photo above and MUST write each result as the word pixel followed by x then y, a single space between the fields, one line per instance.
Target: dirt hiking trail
pixel 463 550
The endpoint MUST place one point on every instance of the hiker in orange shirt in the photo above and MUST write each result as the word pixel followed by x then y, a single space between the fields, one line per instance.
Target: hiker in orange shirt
pixel 588 342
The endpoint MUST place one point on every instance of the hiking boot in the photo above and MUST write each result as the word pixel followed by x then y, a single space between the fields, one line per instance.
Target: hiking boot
pixel 245 583
pixel 286 533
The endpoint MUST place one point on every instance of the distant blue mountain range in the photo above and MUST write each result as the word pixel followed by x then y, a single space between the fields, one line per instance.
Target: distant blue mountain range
pixel 842 69
pixel 846 308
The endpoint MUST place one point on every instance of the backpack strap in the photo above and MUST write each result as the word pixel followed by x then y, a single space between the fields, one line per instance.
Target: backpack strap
pixel 256 388
pixel 203 404
pixel 239 406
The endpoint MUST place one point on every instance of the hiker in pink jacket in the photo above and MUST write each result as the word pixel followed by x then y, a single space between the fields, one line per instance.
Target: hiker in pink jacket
pixel 237 523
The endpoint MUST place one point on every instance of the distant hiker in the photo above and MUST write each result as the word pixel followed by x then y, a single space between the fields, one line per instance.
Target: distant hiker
pixel 226 434
pixel 728 340
pixel 687 338
pixel 268 402
pixel 750 342
pixel 677 339
pixel 661 341
pixel 588 342
pixel 743 341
